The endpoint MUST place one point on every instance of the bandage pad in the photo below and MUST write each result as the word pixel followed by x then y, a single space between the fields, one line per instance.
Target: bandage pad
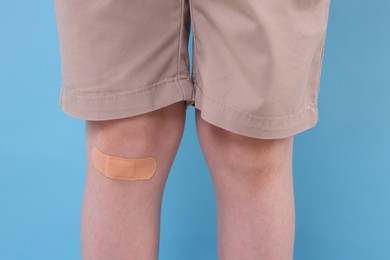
pixel 122 168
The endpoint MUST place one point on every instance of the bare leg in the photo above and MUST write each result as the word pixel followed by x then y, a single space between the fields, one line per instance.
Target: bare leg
pixel 254 188
pixel 121 218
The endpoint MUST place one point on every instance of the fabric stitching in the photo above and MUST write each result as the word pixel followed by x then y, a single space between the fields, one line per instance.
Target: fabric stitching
pixel 195 47
pixel 251 117
pixel 180 36
pixel 130 93
pixel 251 126
pixel 317 78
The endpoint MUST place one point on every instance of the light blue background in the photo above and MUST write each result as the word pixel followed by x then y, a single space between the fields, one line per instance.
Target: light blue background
pixel 341 167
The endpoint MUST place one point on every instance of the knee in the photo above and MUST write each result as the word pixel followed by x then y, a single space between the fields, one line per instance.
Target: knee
pixel 241 155
pixel 134 148
pixel 144 134
pixel 258 156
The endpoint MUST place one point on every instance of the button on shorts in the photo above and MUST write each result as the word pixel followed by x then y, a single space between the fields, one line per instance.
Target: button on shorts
pixel 256 63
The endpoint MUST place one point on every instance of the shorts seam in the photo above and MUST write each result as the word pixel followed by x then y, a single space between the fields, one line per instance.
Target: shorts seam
pixel 180 36
pixel 251 126
pixel 160 83
pixel 257 118
pixel 195 47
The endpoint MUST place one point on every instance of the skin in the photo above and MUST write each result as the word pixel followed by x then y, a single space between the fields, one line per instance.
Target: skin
pixel 254 192
pixel 252 179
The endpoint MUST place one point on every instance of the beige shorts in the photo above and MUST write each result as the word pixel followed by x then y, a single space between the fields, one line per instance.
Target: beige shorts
pixel 256 63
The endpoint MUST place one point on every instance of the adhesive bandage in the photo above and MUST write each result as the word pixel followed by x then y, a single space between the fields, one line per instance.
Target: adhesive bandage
pixel 122 168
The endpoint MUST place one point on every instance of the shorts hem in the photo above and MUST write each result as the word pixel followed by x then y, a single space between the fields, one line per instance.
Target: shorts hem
pixel 125 104
pixel 240 123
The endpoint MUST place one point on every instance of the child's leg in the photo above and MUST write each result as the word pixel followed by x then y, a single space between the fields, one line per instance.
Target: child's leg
pixel 121 218
pixel 254 188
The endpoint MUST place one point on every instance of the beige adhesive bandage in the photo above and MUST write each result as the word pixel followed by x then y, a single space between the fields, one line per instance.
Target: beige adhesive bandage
pixel 123 168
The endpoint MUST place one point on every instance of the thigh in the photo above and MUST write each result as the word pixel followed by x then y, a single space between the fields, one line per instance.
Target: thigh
pixel 257 64
pixel 122 58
